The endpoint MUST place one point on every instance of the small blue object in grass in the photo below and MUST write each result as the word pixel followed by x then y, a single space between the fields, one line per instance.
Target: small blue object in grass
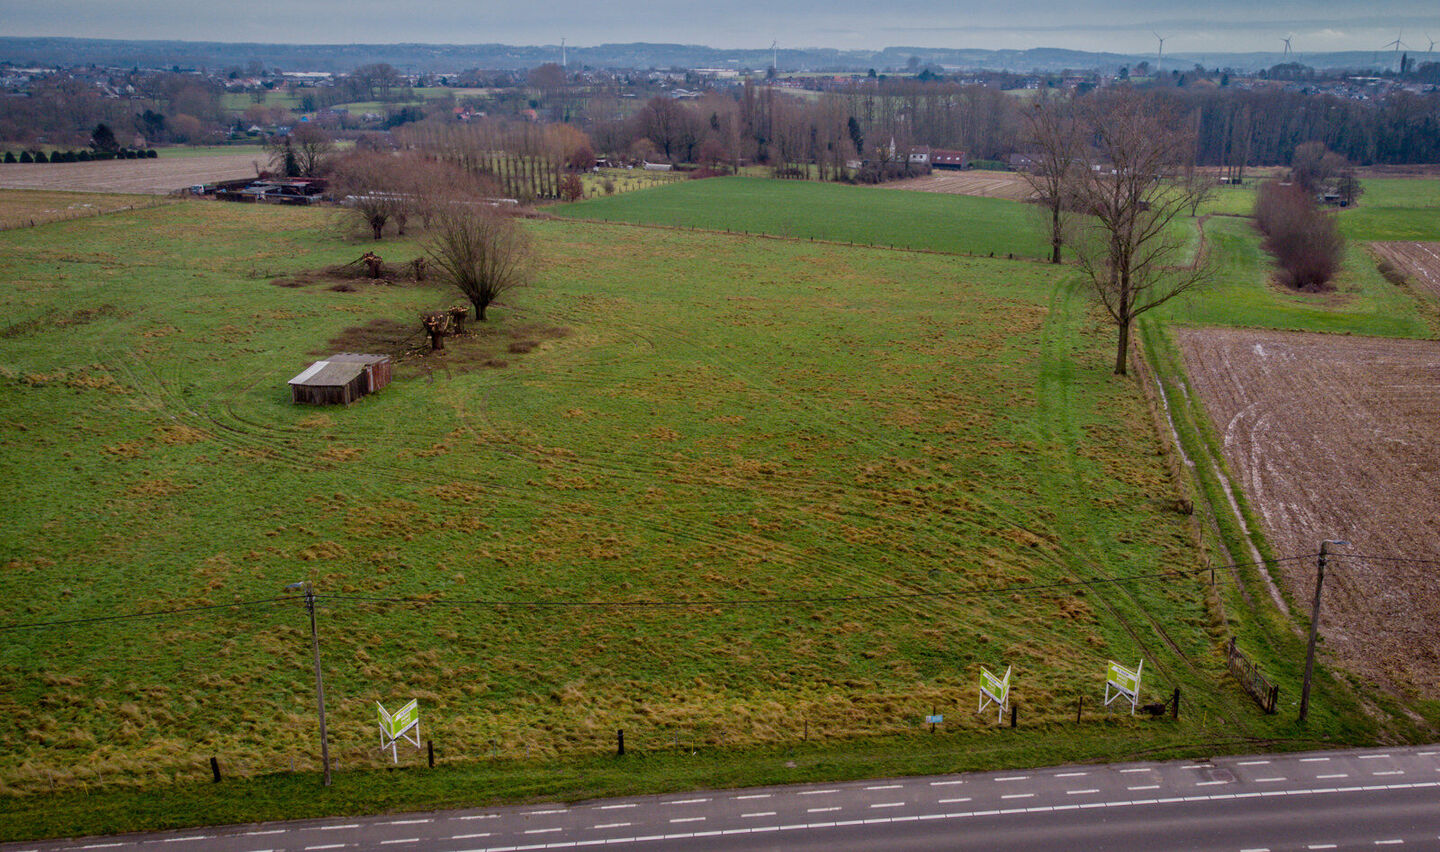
pixel 934 720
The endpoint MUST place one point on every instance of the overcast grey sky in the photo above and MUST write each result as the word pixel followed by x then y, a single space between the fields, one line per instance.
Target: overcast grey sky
pixel 1124 26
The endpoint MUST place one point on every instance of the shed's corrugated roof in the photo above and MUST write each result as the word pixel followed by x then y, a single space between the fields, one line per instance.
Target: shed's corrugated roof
pixel 359 358
pixel 327 374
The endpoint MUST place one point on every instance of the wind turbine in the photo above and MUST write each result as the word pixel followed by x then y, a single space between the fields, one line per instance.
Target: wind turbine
pixel 563 63
pixel 1159 54
pixel 1397 44
pixel 774 62
pixel 1431 48
pixel 1286 55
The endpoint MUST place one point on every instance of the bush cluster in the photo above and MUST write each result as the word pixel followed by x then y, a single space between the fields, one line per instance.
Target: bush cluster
pixel 84 155
pixel 1304 239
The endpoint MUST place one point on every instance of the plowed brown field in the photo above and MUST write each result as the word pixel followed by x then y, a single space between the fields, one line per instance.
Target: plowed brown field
pixel 150 177
pixel 985 184
pixel 1419 261
pixel 1335 438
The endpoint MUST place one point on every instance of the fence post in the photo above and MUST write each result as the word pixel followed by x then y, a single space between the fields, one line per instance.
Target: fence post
pixel 1175 709
pixel 215 768
pixel 1079 708
pixel 620 743
pixel 430 752
pixel 1013 708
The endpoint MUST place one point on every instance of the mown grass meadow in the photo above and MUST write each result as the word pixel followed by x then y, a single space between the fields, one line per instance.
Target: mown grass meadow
pixel 756 428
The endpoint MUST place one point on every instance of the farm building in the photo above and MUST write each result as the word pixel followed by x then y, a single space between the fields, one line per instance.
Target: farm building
pixel 942 159
pixel 340 379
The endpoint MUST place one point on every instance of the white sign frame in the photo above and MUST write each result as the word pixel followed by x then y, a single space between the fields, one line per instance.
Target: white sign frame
pixel 390 736
pixel 994 690
pixel 1119 679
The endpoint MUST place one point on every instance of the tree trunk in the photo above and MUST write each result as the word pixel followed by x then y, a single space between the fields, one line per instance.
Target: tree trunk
pixel 378 226
pixel 479 310
pixel 1056 238
pixel 1122 346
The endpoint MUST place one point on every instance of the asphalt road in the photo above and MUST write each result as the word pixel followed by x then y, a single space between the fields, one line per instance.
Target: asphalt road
pixel 1370 799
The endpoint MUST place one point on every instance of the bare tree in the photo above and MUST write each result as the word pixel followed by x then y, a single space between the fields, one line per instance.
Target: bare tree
pixel 1056 139
pixel 369 184
pixel 1132 244
pixel 479 249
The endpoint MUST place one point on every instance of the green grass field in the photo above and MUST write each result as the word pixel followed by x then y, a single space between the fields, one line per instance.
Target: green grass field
pixel 663 416
pixel 806 209
pixel 1395 209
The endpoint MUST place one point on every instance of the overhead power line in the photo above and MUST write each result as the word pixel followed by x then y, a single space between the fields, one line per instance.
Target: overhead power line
pixel 158 613
pixel 685 603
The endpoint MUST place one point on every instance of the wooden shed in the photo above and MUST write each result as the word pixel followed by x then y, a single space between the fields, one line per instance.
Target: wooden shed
pixel 377 368
pixel 340 379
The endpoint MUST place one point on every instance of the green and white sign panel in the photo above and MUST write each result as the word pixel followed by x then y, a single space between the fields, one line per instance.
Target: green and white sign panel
pixel 1121 682
pixel 994 690
pixel 403 724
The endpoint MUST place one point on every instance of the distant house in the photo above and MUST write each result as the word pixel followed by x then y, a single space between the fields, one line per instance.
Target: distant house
pixel 919 156
pixel 656 167
pixel 340 379
pixel 942 159
pixel 1021 162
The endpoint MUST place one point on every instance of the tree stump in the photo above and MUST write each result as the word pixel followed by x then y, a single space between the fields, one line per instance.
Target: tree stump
pixel 374 263
pixel 437 325
pixel 457 317
pixel 417 268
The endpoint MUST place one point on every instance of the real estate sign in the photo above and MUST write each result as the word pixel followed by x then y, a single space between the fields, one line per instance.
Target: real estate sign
pixel 1121 682
pixel 395 727
pixel 994 690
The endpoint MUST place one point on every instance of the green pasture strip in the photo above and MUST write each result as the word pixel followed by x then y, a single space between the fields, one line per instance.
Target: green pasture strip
pixel 1231 200
pixel 211 150
pixel 1242 294
pixel 835 212
pixel 1395 209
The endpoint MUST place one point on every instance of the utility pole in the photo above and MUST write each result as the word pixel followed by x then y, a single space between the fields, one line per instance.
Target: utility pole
pixel 1314 625
pixel 319 679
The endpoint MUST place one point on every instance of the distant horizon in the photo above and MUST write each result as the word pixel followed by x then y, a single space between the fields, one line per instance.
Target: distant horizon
pixel 1116 26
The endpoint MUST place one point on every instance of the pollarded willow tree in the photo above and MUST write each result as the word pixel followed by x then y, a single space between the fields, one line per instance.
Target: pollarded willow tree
pixel 1135 194
pixel 479 249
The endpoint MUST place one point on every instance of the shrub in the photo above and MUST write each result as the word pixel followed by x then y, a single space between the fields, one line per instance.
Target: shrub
pixel 26 158
pixel 1304 239
pixel 9 156
pixel 150 154
pixel 82 157
pixel 40 157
